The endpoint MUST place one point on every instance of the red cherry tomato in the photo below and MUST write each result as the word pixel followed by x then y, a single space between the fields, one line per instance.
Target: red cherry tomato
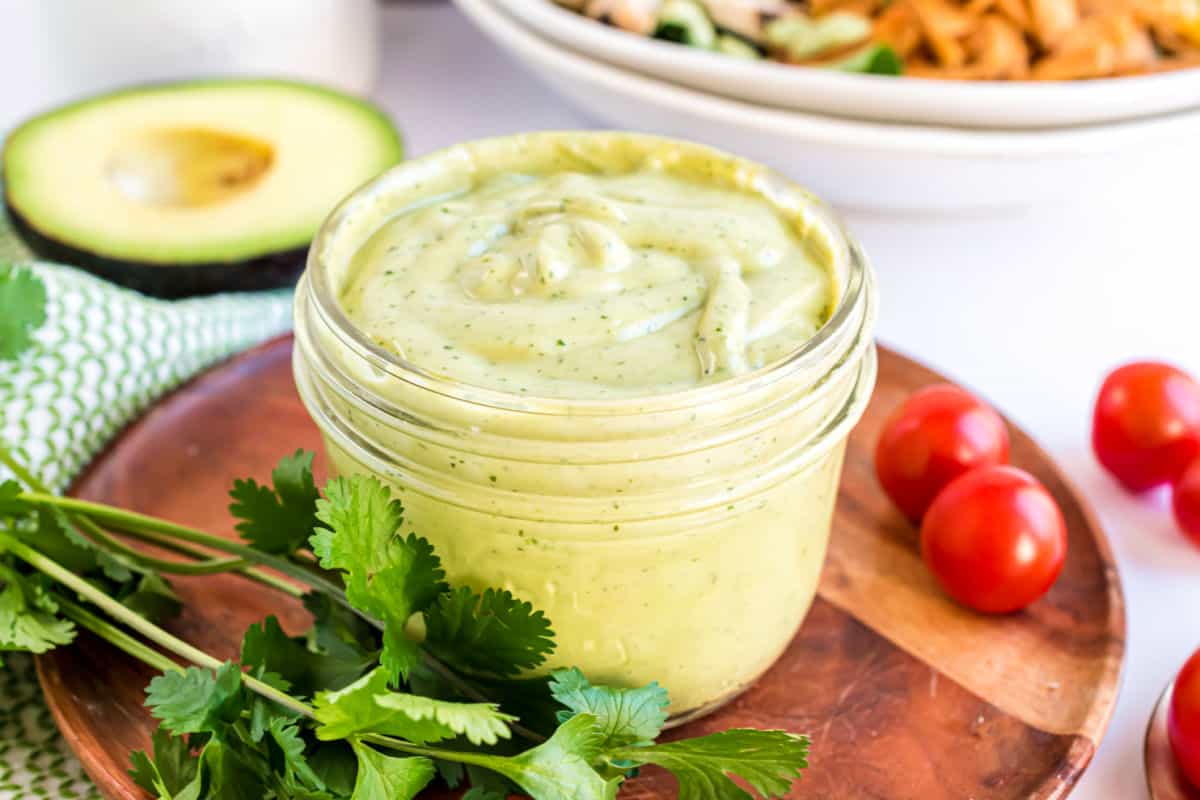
pixel 1187 502
pixel 1183 719
pixel 1146 427
pixel 937 434
pixel 995 539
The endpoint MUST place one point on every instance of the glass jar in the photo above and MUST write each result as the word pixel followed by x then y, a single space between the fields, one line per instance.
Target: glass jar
pixel 675 537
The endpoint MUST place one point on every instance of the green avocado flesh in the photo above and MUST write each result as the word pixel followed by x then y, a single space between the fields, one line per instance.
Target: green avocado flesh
pixel 192 188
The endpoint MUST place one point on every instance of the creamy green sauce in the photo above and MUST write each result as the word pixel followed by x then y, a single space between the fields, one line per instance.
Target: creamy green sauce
pixel 587 285
pixel 678 543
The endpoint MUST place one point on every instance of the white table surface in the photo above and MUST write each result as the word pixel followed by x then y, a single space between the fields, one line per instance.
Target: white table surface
pixel 1031 310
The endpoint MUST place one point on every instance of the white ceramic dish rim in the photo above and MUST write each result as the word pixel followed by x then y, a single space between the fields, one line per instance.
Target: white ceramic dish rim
pixel 889 138
pixel 1021 104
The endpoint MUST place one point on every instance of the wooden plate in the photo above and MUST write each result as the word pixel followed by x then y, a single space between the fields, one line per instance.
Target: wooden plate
pixel 1164 778
pixel 905 694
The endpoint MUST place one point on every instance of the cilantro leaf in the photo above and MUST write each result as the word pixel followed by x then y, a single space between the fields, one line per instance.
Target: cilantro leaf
pixel 492 633
pixel 116 568
pixel 488 785
pixel 479 793
pixel 770 761
pixel 151 596
pixel 284 736
pixel 625 716
pixel 144 773
pixel 11 503
pixel 231 772
pixel 387 576
pixel 263 712
pixel 55 536
pixel 170 770
pixel 335 764
pixel 384 777
pixel 528 699
pixel 197 700
pixel 142 590
pixel 449 771
pixel 265 646
pixel 28 615
pixel 368 706
pixel 278 519
pixel 265 759
pixel 561 767
pixel 51 533
pixel 484 793
pixel 342 635
pixel 22 309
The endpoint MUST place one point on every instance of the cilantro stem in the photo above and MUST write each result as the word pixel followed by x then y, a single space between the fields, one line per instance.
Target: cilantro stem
pixel 97 534
pixel 254 574
pixel 19 469
pixel 210 566
pixel 468 691
pixel 147 655
pixel 145 627
pixel 134 523
pixel 115 636
pixel 113 608
pixel 462 756
pixel 166 533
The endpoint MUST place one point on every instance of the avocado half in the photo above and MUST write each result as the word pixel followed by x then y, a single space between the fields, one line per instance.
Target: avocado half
pixel 192 188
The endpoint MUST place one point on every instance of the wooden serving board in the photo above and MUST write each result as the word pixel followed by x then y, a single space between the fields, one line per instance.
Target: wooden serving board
pixel 906 695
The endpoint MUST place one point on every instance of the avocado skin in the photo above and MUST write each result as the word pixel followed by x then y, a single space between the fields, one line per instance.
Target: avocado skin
pixel 169 281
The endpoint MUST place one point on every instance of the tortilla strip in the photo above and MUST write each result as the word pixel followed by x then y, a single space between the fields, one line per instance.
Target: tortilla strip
pixel 898 28
pixel 1017 12
pixel 944 25
pixel 1053 20
pixel 1102 46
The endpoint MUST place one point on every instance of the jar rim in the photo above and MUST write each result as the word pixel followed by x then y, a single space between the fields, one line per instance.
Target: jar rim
pixel 855 291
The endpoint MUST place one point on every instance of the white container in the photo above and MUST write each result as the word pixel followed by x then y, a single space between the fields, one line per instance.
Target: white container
pixel 59 50
pixel 860 165
pixel 987 104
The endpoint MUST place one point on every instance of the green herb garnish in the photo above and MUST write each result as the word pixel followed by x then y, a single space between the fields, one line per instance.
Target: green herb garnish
pixel 355 708
pixel 22 309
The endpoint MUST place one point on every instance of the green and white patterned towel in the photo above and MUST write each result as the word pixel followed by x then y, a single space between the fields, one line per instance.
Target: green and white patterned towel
pixel 103 355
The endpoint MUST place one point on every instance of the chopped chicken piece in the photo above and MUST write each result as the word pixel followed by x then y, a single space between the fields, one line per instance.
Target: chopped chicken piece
pixel 638 16
pixel 747 18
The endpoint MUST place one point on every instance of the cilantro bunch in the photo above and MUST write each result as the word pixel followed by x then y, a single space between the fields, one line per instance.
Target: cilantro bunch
pixel 401 679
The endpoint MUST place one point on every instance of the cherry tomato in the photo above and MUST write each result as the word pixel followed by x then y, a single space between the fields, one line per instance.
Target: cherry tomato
pixel 1187 502
pixel 937 434
pixel 1146 427
pixel 1183 719
pixel 995 539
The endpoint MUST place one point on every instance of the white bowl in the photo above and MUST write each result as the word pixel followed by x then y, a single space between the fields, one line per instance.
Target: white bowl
pixel 1022 104
pixel 863 165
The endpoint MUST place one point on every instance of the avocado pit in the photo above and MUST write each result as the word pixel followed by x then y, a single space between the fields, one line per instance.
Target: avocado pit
pixel 188 167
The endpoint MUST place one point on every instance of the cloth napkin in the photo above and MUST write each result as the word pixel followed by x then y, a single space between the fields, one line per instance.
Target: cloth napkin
pixel 102 357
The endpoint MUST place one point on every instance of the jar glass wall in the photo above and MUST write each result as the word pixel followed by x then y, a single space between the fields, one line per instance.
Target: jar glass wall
pixel 675 537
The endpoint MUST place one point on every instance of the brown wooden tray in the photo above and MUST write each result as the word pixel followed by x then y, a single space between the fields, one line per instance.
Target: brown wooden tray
pixel 905 694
